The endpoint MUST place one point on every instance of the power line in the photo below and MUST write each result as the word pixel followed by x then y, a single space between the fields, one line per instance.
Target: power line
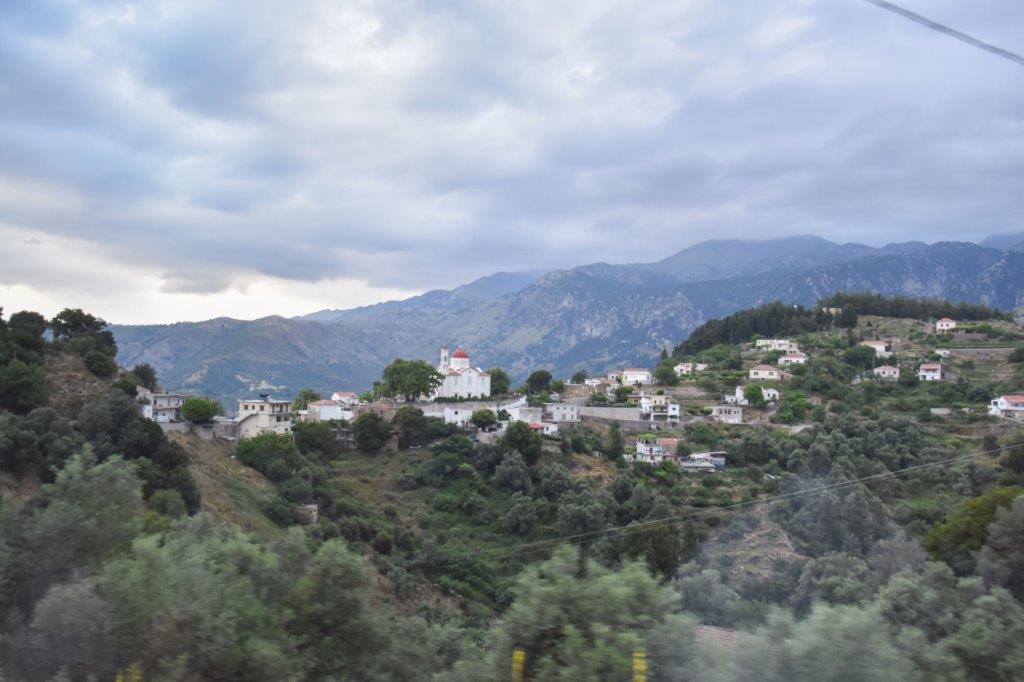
pixel 952 32
pixel 433 563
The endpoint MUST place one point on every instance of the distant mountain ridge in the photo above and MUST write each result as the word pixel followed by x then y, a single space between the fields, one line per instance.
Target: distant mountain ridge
pixel 594 316
pixel 1007 242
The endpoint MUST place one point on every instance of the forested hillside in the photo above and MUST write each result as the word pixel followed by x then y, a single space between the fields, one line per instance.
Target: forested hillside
pixel 853 534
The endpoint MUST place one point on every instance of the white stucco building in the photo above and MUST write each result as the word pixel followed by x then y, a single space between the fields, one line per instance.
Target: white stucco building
pixel 776 344
pixel 653 451
pixel 636 375
pixel 457 415
pixel 659 408
pixel 727 414
pixel 459 378
pixel 690 368
pixel 765 373
pixel 883 349
pixel 769 395
pixel 560 413
pixel 946 324
pixel 163 408
pixel 326 410
pixel 263 415
pixel 346 398
pixel 930 371
pixel 887 372
pixel 793 357
pixel 1011 406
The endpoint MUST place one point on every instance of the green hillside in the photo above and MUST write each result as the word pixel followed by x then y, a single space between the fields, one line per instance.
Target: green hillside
pixel 125 551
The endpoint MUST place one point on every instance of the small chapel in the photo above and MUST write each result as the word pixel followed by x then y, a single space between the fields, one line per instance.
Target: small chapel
pixel 460 378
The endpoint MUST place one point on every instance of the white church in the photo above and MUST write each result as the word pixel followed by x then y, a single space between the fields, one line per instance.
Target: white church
pixel 460 379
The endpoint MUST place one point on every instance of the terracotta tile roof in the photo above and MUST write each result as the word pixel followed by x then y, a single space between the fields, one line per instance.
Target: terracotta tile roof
pixel 1014 398
pixel 931 366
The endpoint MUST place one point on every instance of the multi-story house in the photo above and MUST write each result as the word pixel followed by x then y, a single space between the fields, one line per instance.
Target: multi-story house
pixel 263 415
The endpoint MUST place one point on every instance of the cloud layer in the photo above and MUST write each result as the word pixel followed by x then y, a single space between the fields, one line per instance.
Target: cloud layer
pixel 332 154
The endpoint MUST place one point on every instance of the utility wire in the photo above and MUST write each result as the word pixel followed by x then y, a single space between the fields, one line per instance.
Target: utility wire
pixel 434 563
pixel 952 32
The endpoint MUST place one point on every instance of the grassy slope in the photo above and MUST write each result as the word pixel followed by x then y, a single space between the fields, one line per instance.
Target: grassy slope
pixel 231 492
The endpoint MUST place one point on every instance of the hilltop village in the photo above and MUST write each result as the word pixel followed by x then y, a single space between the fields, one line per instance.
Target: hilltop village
pixel 779 470
pixel 763 378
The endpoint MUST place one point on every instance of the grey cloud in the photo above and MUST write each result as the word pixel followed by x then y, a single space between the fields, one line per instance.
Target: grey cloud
pixel 420 146
pixel 195 282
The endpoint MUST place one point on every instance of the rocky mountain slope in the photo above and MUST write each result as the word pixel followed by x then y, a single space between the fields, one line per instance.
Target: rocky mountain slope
pixel 593 316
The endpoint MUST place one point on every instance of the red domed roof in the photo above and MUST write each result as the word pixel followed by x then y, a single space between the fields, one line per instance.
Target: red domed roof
pixel 459 353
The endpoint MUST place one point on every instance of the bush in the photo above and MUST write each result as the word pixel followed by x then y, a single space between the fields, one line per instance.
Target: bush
pixel 371 432
pixel 280 512
pixel 167 503
pixel 100 364
pixel 512 474
pixel 521 515
pixel 524 440
pixel 297 490
pixel 554 481
pixel 316 439
pixel 272 454
pixel 446 502
pixel 200 410
pixel 22 387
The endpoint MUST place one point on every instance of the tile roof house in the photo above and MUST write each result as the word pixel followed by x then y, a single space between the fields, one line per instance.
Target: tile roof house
pixel 1010 406
pixel 930 371
pixel 946 324
pixel 346 397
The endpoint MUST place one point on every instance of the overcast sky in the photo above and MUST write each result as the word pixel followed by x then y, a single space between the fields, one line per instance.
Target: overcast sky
pixel 177 160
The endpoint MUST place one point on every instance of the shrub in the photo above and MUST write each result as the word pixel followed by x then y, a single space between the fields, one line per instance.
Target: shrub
pixel 272 454
pixel 297 490
pixel 167 503
pixel 521 515
pixel 524 440
pixel 22 387
pixel 512 474
pixel 445 501
pixel 317 438
pixel 100 364
pixel 280 512
pixel 371 432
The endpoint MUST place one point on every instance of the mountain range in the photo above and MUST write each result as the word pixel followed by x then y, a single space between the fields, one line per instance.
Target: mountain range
pixel 594 316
